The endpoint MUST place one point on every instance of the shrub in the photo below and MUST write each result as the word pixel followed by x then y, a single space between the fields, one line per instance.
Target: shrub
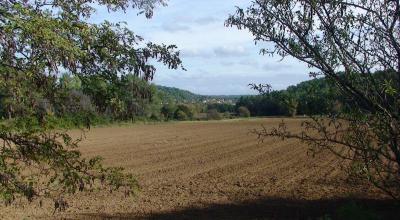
pixel 154 117
pixel 200 116
pixel 168 111
pixel 187 110
pixel 213 114
pixel 180 115
pixel 227 115
pixel 243 112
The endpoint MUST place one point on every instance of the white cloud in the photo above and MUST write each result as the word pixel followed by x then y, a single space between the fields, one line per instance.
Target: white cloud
pixel 249 62
pixel 231 51
pixel 220 60
pixel 206 20
pixel 227 63
pixel 173 28
pixel 196 53
pixel 277 66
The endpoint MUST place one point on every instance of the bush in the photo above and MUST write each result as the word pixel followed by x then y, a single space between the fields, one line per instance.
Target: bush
pixel 187 110
pixel 154 117
pixel 244 112
pixel 227 115
pixel 213 114
pixel 180 115
pixel 200 116
pixel 168 111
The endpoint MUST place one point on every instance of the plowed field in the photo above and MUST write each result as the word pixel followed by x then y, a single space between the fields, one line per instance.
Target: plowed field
pixel 209 170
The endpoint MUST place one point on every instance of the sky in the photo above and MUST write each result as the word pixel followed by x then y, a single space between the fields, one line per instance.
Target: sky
pixel 219 60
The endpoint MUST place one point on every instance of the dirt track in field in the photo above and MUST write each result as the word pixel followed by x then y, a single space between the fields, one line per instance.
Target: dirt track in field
pixel 209 170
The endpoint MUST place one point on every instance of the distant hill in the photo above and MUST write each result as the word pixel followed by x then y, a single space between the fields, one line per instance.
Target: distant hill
pixel 180 95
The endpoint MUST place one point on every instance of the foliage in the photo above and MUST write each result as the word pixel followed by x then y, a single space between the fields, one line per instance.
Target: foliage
pixel 263 105
pixel 213 114
pixel 41 40
pixel 168 111
pixel 181 115
pixel 312 97
pixel 291 103
pixel 175 95
pixel 186 109
pixel 243 112
pixel 347 42
pixel 171 94
pixel 222 107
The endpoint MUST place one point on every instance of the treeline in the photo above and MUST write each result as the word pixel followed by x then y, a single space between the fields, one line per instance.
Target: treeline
pixel 319 96
pixel 97 99
pixel 314 97
pixel 184 96
pixel 200 111
pixel 94 99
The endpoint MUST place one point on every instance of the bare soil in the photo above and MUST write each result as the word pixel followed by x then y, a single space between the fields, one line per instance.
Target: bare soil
pixel 211 170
